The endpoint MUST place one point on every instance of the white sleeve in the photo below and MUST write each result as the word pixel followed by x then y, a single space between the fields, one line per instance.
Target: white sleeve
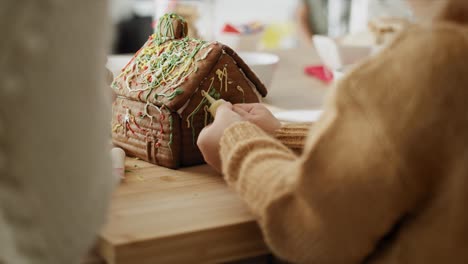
pixel 55 175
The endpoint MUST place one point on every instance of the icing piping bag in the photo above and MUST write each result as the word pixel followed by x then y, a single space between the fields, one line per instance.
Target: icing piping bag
pixel 214 104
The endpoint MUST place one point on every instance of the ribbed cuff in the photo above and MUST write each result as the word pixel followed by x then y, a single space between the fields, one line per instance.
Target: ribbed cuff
pixel 293 135
pixel 238 132
pixel 242 140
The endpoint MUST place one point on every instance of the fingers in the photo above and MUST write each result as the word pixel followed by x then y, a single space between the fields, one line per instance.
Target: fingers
pixel 225 115
pixel 248 107
pixel 225 106
pixel 202 137
pixel 241 111
pixel 209 147
pixel 221 112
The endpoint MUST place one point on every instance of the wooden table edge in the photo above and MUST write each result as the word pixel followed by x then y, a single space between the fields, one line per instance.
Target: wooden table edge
pixel 245 240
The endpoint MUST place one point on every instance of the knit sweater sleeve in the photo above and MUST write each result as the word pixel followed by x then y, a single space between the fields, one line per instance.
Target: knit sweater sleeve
pixel 293 135
pixel 332 204
pixel 326 206
pixel 372 161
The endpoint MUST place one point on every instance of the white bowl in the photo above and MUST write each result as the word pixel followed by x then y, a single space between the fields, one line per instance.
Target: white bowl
pixel 115 63
pixel 240 42
pixel 335 54
pixel 263 64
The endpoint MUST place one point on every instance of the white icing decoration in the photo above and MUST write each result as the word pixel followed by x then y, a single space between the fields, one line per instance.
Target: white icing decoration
pixel 127 115
pixel 205 55
pixel 181 110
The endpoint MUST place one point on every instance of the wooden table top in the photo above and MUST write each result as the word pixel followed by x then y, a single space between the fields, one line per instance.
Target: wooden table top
pixel 189 215
pixel 160 215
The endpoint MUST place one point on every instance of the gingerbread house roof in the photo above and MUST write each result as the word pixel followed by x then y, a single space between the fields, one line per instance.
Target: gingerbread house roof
pixel 170 67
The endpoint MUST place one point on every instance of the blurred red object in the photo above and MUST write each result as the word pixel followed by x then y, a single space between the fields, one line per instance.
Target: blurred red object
pixel 228 28
pixel 320 72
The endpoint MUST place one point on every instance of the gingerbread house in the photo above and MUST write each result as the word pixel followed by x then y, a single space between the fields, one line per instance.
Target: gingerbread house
pixel 160 110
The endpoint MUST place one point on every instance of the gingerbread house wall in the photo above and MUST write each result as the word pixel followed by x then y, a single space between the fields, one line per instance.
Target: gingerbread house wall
pixel 153 136
pixel 227 81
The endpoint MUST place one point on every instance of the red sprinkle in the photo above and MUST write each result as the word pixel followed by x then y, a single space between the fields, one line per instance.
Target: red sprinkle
pixel 139 93
pixel 136 124
pixel 130 128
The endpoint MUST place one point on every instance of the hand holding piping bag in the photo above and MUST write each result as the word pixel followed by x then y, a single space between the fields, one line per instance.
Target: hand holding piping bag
pixel 210 136
pixel 214 104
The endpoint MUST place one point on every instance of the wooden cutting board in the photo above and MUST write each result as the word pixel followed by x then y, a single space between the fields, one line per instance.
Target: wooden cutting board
pixel 160 215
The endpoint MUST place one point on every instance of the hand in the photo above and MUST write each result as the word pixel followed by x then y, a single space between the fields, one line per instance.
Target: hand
pixel 259 115
pixel 210 136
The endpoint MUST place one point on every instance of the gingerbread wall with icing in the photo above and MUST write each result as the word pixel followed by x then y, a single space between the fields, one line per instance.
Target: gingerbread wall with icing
pixel 160 110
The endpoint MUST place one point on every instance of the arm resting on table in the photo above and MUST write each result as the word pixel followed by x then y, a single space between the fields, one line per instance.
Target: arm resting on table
pixel 332 204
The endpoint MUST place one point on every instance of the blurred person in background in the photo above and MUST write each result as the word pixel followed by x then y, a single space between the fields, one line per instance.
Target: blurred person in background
pixel 337 18
pixel 55 172
pixel 323 17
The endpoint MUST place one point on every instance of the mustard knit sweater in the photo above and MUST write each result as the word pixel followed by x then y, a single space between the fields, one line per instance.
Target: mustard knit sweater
pixel 383 177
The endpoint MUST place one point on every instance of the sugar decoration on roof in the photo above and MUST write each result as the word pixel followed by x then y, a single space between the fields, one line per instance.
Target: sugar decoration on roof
pixel 158 70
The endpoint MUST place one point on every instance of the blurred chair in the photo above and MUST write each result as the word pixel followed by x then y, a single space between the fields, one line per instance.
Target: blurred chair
pixel 132 33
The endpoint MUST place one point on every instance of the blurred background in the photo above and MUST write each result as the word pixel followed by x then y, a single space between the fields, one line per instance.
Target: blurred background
pixel 322 39
pixel 254 24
